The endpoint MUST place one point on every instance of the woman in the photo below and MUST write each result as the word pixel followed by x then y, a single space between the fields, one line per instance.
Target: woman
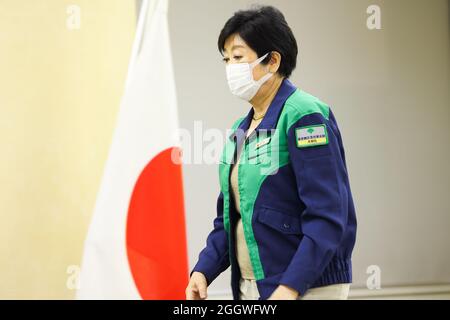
pixel 285 216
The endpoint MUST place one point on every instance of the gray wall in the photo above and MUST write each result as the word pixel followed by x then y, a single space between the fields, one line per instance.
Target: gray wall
pixel 389 91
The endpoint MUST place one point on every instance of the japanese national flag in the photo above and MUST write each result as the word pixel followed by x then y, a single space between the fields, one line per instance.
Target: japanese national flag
pixel 136 243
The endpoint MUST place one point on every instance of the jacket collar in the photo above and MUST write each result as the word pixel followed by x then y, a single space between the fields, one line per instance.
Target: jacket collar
pixel 273 112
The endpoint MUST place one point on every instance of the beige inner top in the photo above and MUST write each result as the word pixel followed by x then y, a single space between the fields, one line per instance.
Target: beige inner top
pixel 242 253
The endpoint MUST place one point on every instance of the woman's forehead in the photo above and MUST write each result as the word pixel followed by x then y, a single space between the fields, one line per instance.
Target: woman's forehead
pixel 233 42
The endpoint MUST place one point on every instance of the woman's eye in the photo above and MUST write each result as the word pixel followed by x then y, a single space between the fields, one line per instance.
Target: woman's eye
pixel 226 60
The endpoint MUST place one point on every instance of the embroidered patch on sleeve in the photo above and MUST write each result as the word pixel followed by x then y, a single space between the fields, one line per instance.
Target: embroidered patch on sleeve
pixel 311 136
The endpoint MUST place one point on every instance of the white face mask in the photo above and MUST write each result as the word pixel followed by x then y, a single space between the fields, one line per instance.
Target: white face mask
pixel 240 79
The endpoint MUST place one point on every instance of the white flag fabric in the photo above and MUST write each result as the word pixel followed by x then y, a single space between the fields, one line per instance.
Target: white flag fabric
pixel 138 220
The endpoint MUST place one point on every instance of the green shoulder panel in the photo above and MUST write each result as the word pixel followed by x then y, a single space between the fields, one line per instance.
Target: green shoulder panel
pixel 300 104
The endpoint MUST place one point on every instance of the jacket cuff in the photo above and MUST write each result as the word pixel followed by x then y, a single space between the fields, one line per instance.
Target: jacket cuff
pixel 295 281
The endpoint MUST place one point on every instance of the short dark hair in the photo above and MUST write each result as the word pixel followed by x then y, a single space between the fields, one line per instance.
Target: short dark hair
pixel 264 29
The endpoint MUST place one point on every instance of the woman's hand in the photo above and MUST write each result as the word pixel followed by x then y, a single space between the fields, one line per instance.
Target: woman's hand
pixel 284 293
pixel 197 287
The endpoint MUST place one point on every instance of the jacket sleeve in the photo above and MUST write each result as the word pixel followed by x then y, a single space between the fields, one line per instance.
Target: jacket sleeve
pixel 214 258
pixel 320 174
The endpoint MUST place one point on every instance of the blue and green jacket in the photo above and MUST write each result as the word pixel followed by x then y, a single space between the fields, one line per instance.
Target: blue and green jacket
pixel 295 199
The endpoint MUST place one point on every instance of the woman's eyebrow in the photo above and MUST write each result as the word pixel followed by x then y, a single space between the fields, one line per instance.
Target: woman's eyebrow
pixel 236 46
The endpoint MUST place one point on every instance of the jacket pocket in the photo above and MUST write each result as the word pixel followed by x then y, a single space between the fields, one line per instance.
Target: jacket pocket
pixel 280 221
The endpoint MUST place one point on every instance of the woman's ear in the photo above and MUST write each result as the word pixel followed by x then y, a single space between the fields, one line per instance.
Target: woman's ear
pixel 274 62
